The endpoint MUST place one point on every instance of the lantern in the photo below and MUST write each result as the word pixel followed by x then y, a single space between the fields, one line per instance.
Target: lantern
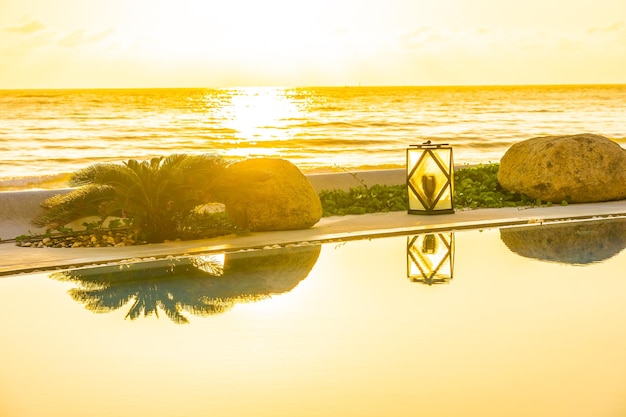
pixel 430 258
pixel 429 179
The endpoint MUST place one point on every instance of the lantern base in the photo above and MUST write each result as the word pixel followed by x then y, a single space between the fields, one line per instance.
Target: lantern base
pixel 431 212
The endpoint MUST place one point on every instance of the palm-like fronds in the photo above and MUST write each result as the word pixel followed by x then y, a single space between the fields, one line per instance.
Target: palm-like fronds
pixel 156 194
pixel 94 174
pixel 82 202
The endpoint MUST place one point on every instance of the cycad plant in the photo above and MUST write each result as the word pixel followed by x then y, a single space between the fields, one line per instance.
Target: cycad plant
pixel 155 196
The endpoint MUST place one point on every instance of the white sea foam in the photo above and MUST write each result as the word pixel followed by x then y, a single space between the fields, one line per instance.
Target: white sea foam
pixel 34 182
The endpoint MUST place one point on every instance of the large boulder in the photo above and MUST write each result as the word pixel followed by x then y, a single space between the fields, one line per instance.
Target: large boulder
pixel 270 194
pixel 577 168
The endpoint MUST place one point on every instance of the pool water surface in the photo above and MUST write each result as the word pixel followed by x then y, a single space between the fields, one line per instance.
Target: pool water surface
pixel 519 321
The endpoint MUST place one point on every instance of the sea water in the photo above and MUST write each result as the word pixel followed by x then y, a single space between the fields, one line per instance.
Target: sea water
pixel 46 134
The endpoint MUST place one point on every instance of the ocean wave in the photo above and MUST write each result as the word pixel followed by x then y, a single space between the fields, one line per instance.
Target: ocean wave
pixel 50 131
pixel 311 124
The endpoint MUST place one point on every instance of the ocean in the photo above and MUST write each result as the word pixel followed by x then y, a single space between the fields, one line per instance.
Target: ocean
pixel 47 134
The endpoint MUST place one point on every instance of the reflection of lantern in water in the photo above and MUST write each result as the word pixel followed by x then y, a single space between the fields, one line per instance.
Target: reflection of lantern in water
pixel 429 178
pixel 430 258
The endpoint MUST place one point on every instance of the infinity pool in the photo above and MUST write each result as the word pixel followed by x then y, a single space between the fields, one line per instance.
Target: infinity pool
pixel 520 321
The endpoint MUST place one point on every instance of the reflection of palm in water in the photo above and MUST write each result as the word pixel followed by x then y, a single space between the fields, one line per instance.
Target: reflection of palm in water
pixel 575 243
pixel 181 286
pixel 184 290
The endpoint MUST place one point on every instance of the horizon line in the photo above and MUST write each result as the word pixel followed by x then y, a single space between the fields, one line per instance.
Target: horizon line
pixel 319 86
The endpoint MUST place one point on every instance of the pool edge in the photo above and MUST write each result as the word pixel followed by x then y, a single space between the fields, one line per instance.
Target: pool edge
pixel 17 260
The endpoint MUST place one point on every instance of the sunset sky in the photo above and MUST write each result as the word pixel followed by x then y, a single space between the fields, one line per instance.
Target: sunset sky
pixel 211 43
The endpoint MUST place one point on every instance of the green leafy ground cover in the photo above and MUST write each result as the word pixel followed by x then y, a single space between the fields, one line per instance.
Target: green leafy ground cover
pixel 474 187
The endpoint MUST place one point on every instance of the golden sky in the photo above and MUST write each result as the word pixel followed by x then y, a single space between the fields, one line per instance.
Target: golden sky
pixel 220 43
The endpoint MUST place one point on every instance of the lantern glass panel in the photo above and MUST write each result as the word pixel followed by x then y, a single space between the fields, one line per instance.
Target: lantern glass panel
pixel 429 178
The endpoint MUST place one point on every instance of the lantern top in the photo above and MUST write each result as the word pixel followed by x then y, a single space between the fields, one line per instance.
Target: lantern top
pixel 429 145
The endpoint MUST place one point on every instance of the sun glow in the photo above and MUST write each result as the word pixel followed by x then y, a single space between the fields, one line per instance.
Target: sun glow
pixel 254 110
pixel 258 114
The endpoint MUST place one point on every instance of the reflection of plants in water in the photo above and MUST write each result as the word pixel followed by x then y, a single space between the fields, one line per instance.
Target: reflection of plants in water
pixel 576 243
pixel 202 286
pixel 172 288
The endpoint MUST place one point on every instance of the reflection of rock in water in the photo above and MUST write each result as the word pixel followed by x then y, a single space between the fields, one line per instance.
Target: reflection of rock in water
pixel 189 284
pixel 572 243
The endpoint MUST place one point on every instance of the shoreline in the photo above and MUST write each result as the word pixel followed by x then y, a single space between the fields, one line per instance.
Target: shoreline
pixel 59 181
pixel 18 207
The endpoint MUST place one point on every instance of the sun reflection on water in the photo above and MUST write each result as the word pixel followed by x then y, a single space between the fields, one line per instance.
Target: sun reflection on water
pixel 260 113
pixel 256 117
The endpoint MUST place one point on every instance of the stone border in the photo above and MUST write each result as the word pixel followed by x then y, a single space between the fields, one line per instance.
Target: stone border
pixel 17 208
